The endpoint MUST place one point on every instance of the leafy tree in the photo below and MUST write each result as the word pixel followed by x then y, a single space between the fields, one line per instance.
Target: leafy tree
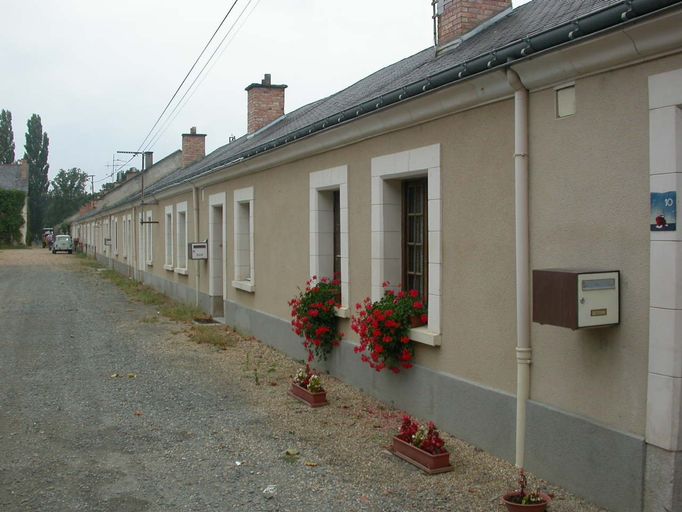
pixel 11 218
pixel 67 194
pixel 106 187
pixel 6 138
pixel 36 150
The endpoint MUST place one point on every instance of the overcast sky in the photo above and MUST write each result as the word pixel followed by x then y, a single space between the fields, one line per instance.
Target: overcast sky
pixel 100 73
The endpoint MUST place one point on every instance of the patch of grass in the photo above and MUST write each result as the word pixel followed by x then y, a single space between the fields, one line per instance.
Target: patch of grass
pixel 140 293
pixel 221 337
pixel 88 262
pixel 181 312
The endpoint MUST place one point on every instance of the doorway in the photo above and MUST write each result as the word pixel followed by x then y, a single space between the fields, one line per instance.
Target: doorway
pixel 216 263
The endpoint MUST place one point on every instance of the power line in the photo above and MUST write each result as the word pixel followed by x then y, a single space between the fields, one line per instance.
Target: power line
pixel 179 87
pixel 187 75
pixel 179 105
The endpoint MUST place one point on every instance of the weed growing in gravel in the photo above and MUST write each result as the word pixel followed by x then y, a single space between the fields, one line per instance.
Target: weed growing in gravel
pixel 220 337
pixel 181 312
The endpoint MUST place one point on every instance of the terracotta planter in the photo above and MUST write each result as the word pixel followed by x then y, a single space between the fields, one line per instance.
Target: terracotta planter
pixel 427 462
pixel 533 507
pixel 312 399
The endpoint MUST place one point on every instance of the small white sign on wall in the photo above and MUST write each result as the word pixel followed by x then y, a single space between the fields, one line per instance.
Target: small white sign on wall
pixel 197 250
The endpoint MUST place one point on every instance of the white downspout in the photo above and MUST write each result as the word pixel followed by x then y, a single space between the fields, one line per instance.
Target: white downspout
pixel 135 242
pixel 523 348
pixel 197 267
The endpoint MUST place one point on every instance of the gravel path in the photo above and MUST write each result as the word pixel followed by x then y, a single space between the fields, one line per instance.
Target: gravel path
pixel 106 407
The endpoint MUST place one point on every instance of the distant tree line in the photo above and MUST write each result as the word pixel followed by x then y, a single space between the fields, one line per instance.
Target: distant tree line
pixel 49 203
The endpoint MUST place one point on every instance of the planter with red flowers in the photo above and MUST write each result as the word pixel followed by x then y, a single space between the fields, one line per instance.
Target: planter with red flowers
pixel 313 313
pixel 522 500
pixel 422 446
pixel 384 328
pixel 307 387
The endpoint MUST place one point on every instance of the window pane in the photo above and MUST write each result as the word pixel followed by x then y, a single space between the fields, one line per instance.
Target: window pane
pixel 414 237
pixel 337 233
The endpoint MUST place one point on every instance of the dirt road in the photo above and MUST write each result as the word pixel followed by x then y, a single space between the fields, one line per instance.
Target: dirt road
pixel 105 406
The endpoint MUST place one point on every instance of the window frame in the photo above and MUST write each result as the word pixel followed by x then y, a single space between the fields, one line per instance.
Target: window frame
pixel 323 185
pixel 115 236
pixel 388 171
pixel 181 238
pixel 243 236
pixel 168 237
pixel 148 239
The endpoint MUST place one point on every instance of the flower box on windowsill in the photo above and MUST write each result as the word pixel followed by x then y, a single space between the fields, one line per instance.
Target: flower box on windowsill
pixel 427 462
pixel 312 399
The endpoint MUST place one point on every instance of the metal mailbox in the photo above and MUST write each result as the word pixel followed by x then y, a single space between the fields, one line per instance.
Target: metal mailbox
pixel 198 250
pixel 576 299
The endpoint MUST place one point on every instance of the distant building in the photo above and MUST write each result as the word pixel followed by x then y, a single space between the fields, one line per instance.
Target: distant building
pixel 15 177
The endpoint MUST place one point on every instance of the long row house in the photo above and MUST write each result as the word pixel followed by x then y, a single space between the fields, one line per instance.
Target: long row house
pixel 522 174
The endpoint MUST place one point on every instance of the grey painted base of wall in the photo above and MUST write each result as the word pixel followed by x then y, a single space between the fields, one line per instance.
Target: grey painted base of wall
pixel 175 290
pixel 601 464
pixel 663 480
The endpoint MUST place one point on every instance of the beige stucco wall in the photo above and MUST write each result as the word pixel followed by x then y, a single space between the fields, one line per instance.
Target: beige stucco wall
pixel 478 239
pixel 589 209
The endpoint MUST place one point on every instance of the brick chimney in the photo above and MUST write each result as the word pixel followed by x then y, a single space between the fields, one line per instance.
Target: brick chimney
pixel 458 17
pixel 193 147
pixel 265 103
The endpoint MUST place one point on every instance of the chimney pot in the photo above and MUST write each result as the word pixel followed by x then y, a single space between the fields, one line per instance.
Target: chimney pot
pixel 193 130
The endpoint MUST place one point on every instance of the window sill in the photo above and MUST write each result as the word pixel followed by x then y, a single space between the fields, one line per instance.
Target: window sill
pixel 342 312
pixel 246 286
pixel 181 271
pixel 150 264
pixel 423 335
pixel 168 267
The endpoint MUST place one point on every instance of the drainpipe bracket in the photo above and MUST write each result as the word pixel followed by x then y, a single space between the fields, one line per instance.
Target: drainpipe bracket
pixel 524 355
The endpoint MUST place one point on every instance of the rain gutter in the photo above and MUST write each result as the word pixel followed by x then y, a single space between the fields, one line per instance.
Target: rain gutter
pixel 589 24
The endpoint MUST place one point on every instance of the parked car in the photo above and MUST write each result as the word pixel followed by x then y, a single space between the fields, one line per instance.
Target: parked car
pixel 62 243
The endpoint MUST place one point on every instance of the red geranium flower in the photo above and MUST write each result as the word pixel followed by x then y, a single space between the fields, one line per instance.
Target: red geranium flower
pixel 383 327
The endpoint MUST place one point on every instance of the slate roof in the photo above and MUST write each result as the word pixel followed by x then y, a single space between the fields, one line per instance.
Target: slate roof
pixel 535 17
pixel 10 178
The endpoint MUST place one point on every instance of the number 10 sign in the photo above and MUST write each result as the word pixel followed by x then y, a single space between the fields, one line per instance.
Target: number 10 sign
pixel 663 211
